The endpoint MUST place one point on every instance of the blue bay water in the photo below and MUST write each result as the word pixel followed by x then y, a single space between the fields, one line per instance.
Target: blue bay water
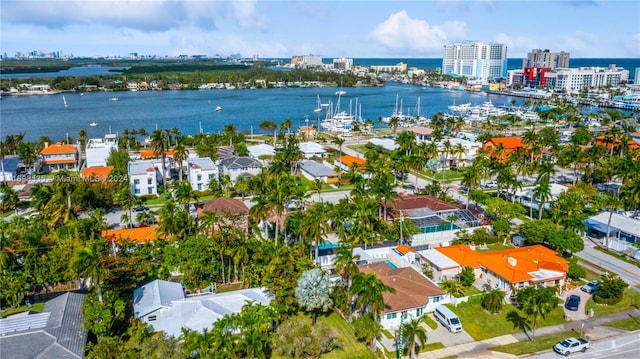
pixel 189 109
pixel 245 109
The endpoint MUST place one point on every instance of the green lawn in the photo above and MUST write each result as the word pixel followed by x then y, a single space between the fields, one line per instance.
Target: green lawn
pixel 429 322
pixel 37 307
pixel 630 299
pixel 629 324
pixel 351 347
pixel 482 325
pixel 359 148
pixel 535 345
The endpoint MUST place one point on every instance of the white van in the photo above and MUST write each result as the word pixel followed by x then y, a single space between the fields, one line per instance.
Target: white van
pixel 448 318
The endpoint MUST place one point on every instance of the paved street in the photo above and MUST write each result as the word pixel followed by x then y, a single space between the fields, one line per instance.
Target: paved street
pixel 628 272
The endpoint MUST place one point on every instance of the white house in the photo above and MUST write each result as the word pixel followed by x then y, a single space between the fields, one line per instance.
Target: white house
pixel 313 170
pixel 165 307
pixel 58 157
pixel 235 167
pixel 144 177
pixel 414 293
pixel 97 150
pixel 200 172
pixel 312 149
pixel 386 143
pixel 262 152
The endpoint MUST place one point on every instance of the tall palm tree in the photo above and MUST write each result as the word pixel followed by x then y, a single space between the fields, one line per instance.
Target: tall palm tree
pixel 415 334
pixel 315 226
pixel 338 142
pixel 89 262
pixel 537 305
pixel 159 148
pixel 180 154
pixel 369 292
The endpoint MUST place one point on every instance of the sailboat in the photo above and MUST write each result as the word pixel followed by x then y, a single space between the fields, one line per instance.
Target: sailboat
pixel 64 100
pixel 319 108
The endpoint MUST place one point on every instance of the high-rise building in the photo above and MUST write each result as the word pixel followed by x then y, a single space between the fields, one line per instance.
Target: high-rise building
pixel 475 60
pixel 546 59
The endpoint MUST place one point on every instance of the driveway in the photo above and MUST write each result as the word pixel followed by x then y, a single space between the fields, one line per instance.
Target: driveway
pixel 579 314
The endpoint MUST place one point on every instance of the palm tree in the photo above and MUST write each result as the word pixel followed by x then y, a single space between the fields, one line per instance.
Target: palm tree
pixel 317 185
pixel 345 264
pixel 538 304
pixel 413 331
pixel 542 191
pixel 88 262
pixel 471 179
pixel 286 125
pixel 159 148
pixel 369 292
pixel 180 154
pixel 315 226
pixel 338 142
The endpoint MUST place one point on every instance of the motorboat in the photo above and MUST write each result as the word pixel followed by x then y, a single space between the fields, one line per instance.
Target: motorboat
pixel 93 124
pixel 218 108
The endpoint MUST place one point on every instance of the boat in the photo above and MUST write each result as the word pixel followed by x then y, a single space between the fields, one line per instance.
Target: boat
pixel 93 124
pixel 64 100
pixel 218 108
pixel 114 99
pixel 319 108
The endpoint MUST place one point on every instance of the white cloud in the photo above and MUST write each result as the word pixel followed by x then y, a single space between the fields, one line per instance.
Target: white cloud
pixel 516 45
pixel 404 35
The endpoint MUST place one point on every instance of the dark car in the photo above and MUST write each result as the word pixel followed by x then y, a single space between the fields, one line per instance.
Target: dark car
pixel 572 303
pixel 140 208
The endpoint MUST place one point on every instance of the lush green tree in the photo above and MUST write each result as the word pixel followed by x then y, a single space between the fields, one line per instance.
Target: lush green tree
pixel 89 262
pixel 453 287
pixel 611 290
pixel 369 291
pixel 565 241
pixel 576 271
pixel 367 328
pixel 8 199
pixel 314 292
pixel 537 232
pixel 159 148
pixel 492 301
pixel 103 317
pixel 536 303
pixel 467 277
pixel 295 338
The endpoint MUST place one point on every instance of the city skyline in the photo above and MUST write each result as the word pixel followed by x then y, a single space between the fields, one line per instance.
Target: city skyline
pixel 280 29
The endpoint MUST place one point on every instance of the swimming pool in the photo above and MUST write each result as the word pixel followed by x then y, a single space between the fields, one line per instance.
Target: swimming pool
pixel 390 264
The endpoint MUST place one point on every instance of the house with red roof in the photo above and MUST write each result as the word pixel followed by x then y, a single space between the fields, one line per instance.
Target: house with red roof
pixel 96 174
pixel 414 293
pixel 58 157
pixel 511 269
pixel 422 133
pixel 230 211
pixel 502 147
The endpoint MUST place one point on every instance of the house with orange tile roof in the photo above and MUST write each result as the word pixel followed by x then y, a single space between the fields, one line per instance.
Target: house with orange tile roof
pixel 616 143
pixel 58 157
pixel 96 174
pixel 347 161
pixel 414 293
pixel 502 146
pixel 136 235
pixel 511 269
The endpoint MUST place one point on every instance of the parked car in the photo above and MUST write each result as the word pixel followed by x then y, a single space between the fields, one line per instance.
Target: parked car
pixel 491 184
pixel 572 303
pixel 571 345
pixel 140 208
pixel 591 287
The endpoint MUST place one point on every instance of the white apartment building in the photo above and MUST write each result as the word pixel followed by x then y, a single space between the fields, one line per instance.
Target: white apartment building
pixel 97 150
pixel 576 79
pixel 144 177
pixel 546 59
pixel 400 67
pixel 342 63
pixel 201 171
pixel 475 60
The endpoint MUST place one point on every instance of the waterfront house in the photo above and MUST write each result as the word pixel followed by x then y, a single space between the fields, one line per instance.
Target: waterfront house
pixel 58 157
pixel 414 293
pixel 144 177
pixel 236 167
pixel 511 269
pixel 308 132
pixel 166 307
pixel 57 332
pixel 200 172
pixel 313 170
pixel 97 150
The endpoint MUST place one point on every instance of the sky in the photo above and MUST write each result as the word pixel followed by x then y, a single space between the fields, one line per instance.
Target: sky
pixel 281 29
